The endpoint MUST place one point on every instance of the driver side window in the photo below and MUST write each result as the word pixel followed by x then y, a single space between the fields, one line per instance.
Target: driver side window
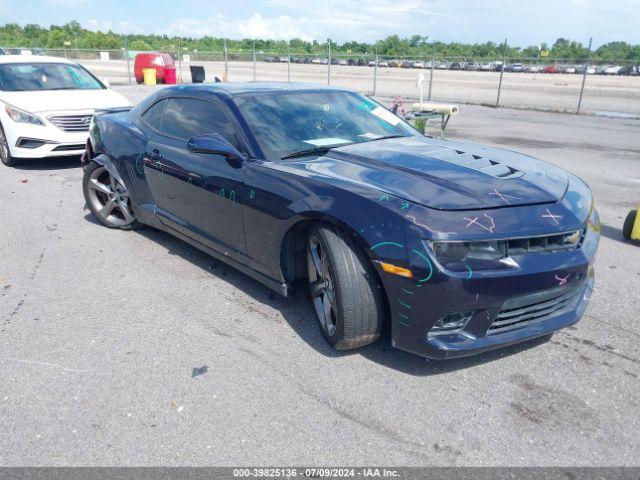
pixel 189 117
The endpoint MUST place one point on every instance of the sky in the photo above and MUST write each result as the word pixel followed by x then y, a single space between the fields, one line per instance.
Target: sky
pixel 523 23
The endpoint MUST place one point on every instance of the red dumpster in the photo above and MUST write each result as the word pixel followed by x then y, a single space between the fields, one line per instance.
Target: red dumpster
pixel 170 75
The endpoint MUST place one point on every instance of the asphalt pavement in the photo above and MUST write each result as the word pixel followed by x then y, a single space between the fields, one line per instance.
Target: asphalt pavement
pixel 134 348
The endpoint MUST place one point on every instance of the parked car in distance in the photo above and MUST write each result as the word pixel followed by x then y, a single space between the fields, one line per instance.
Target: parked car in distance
pixel 532 69
pixel 629 70
pixel 417 64
pixel 486 67
pixel 456 66
pixel 383 63
pixel 158 61
pixel 46 106
pixel 569 69
pixel 316 61
pixel 458 248
pixel 611 69
pixel 371 63
pixel 342 61
pixel 517 67
pixel 394 63
pixel 550 69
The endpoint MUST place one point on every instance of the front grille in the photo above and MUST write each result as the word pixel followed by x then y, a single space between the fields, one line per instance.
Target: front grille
pixel 72 123
pixel 67 148
pixel 545 243
pixel 537 307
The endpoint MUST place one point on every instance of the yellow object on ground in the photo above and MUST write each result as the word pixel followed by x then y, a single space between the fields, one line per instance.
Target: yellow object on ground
pixel 149 75
pixel 635 233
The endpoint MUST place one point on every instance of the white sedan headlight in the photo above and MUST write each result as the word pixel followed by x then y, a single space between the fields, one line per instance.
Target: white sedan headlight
pixel 21 116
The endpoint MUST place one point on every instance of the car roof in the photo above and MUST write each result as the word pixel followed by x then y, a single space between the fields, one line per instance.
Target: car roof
pixel 231 89
pixel 33 59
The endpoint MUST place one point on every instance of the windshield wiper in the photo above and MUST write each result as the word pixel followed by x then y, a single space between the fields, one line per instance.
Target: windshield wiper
pixel 385 137
pixel 312 151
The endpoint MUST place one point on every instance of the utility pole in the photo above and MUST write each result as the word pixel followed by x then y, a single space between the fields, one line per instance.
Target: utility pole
pixel 329 63
pixel 375 75
pixel 126 53
pixel 584 76
pixel 504 60
pixel 254 60
pixel 289 60
pixel 226 64
pixel 433 61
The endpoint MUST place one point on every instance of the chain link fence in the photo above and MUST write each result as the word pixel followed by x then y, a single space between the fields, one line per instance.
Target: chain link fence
pixel 611 87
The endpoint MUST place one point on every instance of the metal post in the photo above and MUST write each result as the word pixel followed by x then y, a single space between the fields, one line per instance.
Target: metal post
pixel 126 53
pixel 584 76
pixel 504 60
pixel 254 60
pixel 226 64
pixel 537 63
pixel 375 75
pixel 433 61
pixel 329 63
pixel 179 62
pixel 289 61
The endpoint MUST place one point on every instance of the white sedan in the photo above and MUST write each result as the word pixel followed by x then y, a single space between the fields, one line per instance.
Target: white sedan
pixel 46 106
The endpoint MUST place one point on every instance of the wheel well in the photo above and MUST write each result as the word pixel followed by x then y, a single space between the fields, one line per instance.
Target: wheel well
pixel 293 251
pixel 292 254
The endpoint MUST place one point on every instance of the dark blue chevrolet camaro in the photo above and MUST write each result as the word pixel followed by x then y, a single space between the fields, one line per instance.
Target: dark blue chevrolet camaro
pixel 457 247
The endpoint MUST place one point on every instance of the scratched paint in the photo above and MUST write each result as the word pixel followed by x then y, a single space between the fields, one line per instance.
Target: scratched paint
pixel 503 197
pixel 562 281
pixel 552 216
pixel 474 221
pixel 428 262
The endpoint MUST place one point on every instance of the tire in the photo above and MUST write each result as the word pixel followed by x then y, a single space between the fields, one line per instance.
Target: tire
pixel 628 224
pixel 5 153
pixel 107 199
pixel 343 282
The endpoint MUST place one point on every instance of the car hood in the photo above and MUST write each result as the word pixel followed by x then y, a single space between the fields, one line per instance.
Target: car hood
pixel 442 174
pixel 64 100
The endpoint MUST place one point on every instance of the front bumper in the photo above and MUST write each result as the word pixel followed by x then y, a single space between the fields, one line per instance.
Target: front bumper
pixel 42 141
pixel 545 293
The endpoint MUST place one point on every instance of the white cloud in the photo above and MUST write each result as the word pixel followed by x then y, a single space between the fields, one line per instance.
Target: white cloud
pixel 66 3
pixel 342 20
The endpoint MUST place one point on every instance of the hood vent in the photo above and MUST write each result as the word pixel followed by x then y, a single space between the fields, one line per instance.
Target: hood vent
pixel 475 162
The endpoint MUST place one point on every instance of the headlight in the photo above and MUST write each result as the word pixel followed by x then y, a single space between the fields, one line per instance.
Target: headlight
pixel 454 255
pixel 21 116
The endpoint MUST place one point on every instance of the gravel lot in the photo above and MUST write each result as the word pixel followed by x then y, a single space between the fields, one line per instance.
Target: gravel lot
pixel 104 336
pixel 557 92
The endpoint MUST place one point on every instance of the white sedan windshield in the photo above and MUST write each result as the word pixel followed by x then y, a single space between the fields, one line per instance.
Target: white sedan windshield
pixel 21 77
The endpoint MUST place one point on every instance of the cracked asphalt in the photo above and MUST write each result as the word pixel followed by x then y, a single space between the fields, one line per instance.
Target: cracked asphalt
pixel 133 348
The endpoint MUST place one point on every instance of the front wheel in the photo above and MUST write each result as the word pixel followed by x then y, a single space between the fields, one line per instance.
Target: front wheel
pixel 107 198
pixel 345 290
pixel 5 153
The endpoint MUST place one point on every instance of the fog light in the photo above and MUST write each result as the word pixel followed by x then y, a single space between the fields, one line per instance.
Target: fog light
pixel 453 321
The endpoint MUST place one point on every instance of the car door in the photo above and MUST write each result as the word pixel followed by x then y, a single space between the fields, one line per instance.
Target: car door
pixel 196 193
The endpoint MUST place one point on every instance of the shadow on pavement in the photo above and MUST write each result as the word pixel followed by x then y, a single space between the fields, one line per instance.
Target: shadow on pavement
pixel 54 163
pixel 299 314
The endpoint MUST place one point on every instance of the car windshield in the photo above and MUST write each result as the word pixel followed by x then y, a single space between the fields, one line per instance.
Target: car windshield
pixel 290 122
pixel 21 77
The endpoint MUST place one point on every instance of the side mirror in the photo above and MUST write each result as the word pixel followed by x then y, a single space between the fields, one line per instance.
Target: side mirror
pixel 216 144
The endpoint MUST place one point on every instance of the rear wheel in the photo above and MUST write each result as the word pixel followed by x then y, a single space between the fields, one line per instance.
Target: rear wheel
pixel 345 290
pixel 107 198
pixel 5 153
pixel 628 224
